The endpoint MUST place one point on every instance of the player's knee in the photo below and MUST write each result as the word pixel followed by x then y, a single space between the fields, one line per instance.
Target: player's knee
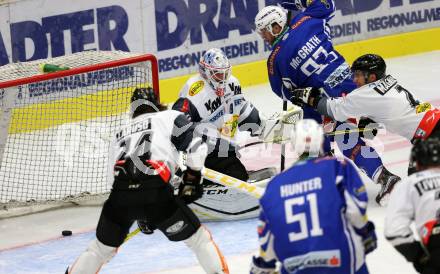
pixel 181 225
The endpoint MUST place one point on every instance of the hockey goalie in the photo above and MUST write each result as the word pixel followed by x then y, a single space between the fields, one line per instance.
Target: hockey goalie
pixel 214 100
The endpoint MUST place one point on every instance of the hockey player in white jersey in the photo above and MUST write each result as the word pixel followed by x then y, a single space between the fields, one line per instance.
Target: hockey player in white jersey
pixel 143 158
pixel 417 199
pixel 213 99
pixel 380 98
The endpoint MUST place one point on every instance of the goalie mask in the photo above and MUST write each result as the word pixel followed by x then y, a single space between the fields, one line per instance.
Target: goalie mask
pixel 307 137
pixel 215 68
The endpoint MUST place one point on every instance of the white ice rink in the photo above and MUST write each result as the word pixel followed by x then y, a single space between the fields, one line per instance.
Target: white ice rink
pixel 33 244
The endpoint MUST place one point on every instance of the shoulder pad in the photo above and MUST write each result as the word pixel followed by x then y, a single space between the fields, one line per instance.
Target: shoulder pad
pixel 193 86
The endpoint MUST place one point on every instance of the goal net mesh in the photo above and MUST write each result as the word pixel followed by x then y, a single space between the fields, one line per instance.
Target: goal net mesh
pixel 55 129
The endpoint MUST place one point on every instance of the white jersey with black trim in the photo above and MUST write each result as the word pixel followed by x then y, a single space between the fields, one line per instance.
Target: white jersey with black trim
pixel 416 198
pixel 385 102
pixel 225 112
pixel 148 133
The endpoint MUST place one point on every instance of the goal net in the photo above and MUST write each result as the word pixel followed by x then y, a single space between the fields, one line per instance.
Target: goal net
pixel 55 128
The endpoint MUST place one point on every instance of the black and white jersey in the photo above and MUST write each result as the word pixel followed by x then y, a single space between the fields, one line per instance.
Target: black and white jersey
pixel 222 115
pixel 157 136
pixel 385 102
pixel 415 199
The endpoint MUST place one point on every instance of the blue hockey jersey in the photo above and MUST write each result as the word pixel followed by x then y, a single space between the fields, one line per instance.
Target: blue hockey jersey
pixel 308 216
pixel 304 57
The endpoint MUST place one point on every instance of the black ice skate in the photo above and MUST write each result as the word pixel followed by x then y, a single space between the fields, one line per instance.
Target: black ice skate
pixel 387 180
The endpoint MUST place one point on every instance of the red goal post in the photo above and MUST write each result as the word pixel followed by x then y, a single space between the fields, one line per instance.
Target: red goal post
pixel 55 128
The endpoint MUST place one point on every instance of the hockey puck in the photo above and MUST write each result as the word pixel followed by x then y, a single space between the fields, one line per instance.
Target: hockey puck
pixel 66 233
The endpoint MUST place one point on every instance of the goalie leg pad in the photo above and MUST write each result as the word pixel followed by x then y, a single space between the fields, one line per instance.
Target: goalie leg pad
pixel 181 225
pixel 209 256
pixel 91 260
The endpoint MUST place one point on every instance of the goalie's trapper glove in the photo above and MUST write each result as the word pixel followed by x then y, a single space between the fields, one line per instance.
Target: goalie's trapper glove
pixel 368 235
pixel 305 96
pixel 191 188
pixel 260 266
pixel 295 4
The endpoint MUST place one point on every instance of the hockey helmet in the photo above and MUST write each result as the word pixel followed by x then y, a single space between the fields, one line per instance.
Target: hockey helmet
pixel 144 100
pixel 268 16
pixel 215 68
pixel 307 137
pixel 370 63
pixel 426 152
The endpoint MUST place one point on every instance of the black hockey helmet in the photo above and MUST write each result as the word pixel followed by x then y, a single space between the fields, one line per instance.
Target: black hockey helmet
pixel 370 63
pixel 426 152
pixel 150 102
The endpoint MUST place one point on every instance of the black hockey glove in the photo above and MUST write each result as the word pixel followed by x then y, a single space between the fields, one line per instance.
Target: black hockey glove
pixel 369 238
pixel 305 96
pixel 191 188
pixel 294 4
pixel 145 227
pixel 367 128
pixel 260 266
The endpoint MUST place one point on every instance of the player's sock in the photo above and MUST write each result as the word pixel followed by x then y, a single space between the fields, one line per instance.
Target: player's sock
pixel 91 260
pixel 207 252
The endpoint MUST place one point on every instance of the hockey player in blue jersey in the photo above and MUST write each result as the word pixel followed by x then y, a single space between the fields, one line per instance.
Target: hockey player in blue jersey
pixel 313 215
pixel 303 56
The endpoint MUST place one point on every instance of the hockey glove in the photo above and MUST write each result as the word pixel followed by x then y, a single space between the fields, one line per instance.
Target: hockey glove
pixel 260 266
pixel 295 4
pixel 191 188
pixel 145 227
pixel 367 128
pixel 305 96
pixel 369 238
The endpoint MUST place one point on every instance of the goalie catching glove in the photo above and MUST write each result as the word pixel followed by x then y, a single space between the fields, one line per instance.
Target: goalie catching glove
pixel 271 130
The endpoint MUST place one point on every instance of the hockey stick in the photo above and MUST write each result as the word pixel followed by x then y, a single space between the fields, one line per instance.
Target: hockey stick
pixel 226 180
pixel 347 131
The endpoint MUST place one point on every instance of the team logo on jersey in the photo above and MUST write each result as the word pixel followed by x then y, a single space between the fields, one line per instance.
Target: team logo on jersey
pixel 229 128
pixel 423 107
pixel 328 258
pixel 212 106
pixel 196 88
